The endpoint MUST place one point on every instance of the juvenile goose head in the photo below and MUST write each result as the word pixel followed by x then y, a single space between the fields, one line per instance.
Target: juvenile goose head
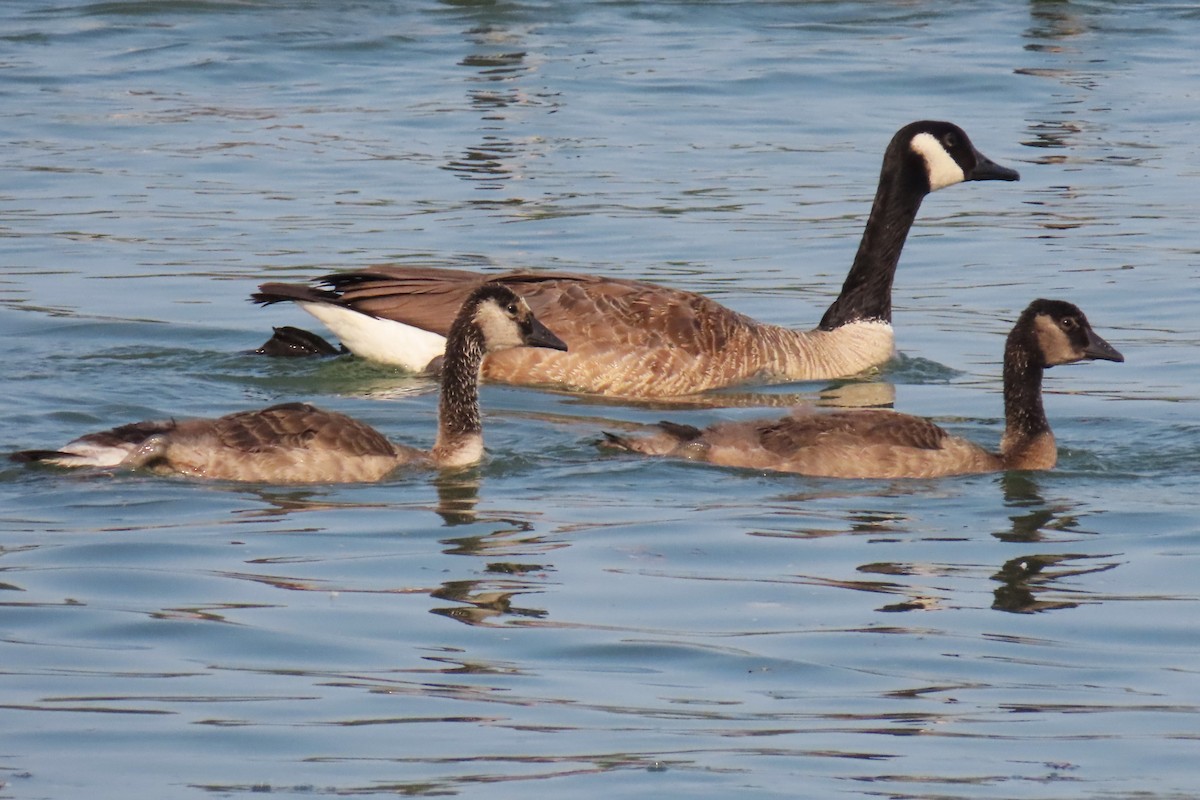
pixel 637 339
pixel 1060 333
pixel 1048 333
pixel 297 443
pixel 884 444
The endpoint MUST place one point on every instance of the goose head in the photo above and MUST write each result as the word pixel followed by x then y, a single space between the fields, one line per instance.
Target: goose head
pixel 1063 334
pixel 505 320
pixel 943 153
pixel 492 318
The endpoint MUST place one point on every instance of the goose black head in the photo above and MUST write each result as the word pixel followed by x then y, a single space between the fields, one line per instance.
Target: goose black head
pixel 948 155
pixel 1063 334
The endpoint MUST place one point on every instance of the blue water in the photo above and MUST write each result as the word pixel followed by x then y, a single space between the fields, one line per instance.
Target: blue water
pixel 557 621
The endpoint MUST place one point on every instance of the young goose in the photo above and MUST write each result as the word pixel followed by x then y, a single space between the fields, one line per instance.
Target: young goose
pixel 635 339
pixel 884 444
pixel 297 443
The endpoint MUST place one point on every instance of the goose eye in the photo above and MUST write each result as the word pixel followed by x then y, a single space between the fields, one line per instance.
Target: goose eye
pixel 950 140
pixel 512 309
pixel 1069 324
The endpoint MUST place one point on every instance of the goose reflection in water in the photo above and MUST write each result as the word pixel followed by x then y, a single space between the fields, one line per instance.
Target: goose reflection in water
pixel 1035 519
pixel 482 601
pixel 1028 582
pixel 1027 579
pixel 495 94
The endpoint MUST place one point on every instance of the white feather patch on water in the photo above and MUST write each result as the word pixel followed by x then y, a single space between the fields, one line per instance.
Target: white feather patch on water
pixel 84 453
pixel 382 340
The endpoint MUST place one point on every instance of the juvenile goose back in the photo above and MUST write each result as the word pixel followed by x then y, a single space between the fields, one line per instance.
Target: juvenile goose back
pixel 298 443
pixel 636 339
pixel 884 444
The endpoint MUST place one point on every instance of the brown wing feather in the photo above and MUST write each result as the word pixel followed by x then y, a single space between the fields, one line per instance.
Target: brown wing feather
pixel 294 426
pixel 133 433
pixel 875 428
pixel 628 314
pixel 290 443
pixel 849 444
pixel 425 297
pixel 584 310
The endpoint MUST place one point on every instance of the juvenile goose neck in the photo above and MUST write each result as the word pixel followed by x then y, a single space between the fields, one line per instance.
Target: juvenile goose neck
pixel 459 423
pixel 867 291
pixel 1028 442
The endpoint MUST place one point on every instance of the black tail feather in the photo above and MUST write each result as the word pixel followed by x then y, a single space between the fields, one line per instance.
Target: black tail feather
pixel 288 341
pixel 33 456
pixel 269 293
pixel 684 433
pixel 614 440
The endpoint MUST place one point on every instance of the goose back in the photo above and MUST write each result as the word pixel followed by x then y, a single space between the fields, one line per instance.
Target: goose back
pixel 287 443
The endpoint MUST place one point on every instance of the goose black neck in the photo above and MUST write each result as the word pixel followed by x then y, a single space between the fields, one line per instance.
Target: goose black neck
pixel 458 407
pixel 1024 415
pixel 867 293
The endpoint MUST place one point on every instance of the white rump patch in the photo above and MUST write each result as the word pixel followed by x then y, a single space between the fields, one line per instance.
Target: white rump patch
pixel 382 340
pixel 942 168
pixel 84 453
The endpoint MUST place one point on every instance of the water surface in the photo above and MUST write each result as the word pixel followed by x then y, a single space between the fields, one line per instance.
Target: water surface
pixel 555 620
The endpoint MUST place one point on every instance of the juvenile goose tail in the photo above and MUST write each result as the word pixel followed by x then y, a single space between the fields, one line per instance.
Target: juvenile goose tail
pixel 669 437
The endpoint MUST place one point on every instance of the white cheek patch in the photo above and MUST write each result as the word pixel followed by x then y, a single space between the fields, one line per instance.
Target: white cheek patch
pixel 942 168
pixel 500 331
pixel 382 340
pixel 1056 346
pixel 496 326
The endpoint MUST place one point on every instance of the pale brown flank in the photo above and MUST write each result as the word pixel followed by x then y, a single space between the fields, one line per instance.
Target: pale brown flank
pixel 298 443
pixel 884 444
pixel 635 339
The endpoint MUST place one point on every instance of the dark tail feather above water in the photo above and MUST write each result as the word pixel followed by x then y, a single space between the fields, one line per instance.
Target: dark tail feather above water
pixel 672 435
pixel 34 456
pixel 289 342
pixel 684 433
pixel 616 441
pixel 269 293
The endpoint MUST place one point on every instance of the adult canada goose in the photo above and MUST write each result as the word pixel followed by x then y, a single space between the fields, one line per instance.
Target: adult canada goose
pixel 884 444
pixel 297 443
pixel 635 339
